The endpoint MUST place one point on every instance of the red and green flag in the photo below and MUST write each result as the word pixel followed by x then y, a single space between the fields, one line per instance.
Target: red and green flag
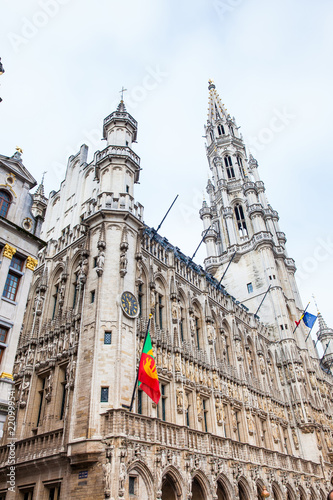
pixel 147 375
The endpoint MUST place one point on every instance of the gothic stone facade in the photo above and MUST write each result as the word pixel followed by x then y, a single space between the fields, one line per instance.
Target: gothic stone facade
pixel 21 216
pixel 242 408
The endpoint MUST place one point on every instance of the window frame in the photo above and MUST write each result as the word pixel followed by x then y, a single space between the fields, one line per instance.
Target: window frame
pixel 4 212
pixel 107 333
pixel 7 294
pixel 104 388
pixel 229 167
pixel 240 220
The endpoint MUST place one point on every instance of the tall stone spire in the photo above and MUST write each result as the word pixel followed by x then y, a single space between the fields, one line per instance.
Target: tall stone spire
pixel 244 225
pixel 39 204
pixel 325 336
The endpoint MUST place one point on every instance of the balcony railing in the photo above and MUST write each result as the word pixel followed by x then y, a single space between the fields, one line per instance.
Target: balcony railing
pixel 40 446
pixel 119 423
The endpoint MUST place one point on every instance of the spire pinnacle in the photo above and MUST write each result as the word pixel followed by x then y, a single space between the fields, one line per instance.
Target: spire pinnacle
pixel 40 189
pixel 216 109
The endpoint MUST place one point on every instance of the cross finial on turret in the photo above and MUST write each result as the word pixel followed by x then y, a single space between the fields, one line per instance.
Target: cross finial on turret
pixel 122 92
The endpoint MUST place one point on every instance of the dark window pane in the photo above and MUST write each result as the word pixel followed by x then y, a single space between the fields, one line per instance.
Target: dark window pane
pixel 11 286
pixel 4 203
pixel 107 338
pixel 17 263
pixel 3 334
pixel 104 394
pixel 131 485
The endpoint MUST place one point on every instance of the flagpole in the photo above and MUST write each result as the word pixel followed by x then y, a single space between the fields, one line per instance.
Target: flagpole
pixel 309 332
pixel 301 318
pixel 137 373
pixel 204 236
pixel 225 272
pixel 270 286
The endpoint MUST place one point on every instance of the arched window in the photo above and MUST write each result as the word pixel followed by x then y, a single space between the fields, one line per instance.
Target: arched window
pixel 229 167
pixel 212 136
pixel 220 129
pixel 5 200
pixel 240 164
pixel 240 219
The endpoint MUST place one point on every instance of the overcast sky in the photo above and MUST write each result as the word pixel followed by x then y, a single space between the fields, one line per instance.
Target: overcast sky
pixel 66 61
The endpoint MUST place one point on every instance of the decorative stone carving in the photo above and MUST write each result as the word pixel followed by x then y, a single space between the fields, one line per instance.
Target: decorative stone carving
pixel 24 393
pixel 100 262
pixel 83 271
pixel 152 299
pixel 122 478
pixel 70 373
pixel 48 387
pixel 216 381
pixel 211 333
pixel 123 264
pixel 192 325
pixel 239 350
pixel 199 407
pixel 180 400
pixel 31 263
pixel 178 367
pixel 295 439
pixel 262 365
pixel 250 423
pixel 107 469
pixel 139 271
pixel 220 416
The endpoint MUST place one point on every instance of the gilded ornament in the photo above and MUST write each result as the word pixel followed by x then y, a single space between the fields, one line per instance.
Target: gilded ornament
pixel 8 251
pixel 31 263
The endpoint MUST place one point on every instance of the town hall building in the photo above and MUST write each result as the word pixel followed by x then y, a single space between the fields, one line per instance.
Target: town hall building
pixel 246 407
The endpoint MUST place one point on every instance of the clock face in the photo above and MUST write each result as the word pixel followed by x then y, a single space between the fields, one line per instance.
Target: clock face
pixel 129 305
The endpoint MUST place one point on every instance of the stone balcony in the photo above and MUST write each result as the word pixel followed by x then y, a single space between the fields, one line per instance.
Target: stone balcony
pixel 33 448
pixel 117 151
pixel 121 423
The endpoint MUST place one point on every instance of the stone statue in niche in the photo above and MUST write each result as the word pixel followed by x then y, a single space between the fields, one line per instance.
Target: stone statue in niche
pixel 122 477
pixel 38 306
pixel 139 270
pixel 220 417
pixel 48 387
pixel 196 374
pixel 107 469
pixel 216 382
pixel 295 439
pixel 211 333
pixel 239 350
pixel 177 362
pixel 70 373
pixel 152 299
pixel 174 310
pixel 192 325
pixel 24 393
pixel 180 400
pixel 250 423
pixel 100 262
pixel 30 357
pixel 83 271
pixel 262 364
pixel 199 407
pixel 169 362
pixel 123 264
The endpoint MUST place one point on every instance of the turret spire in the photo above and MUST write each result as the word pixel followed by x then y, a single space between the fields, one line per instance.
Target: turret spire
pixel 216 109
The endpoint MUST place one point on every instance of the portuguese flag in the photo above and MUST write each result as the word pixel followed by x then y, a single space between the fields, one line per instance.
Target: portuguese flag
pixel 147 374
